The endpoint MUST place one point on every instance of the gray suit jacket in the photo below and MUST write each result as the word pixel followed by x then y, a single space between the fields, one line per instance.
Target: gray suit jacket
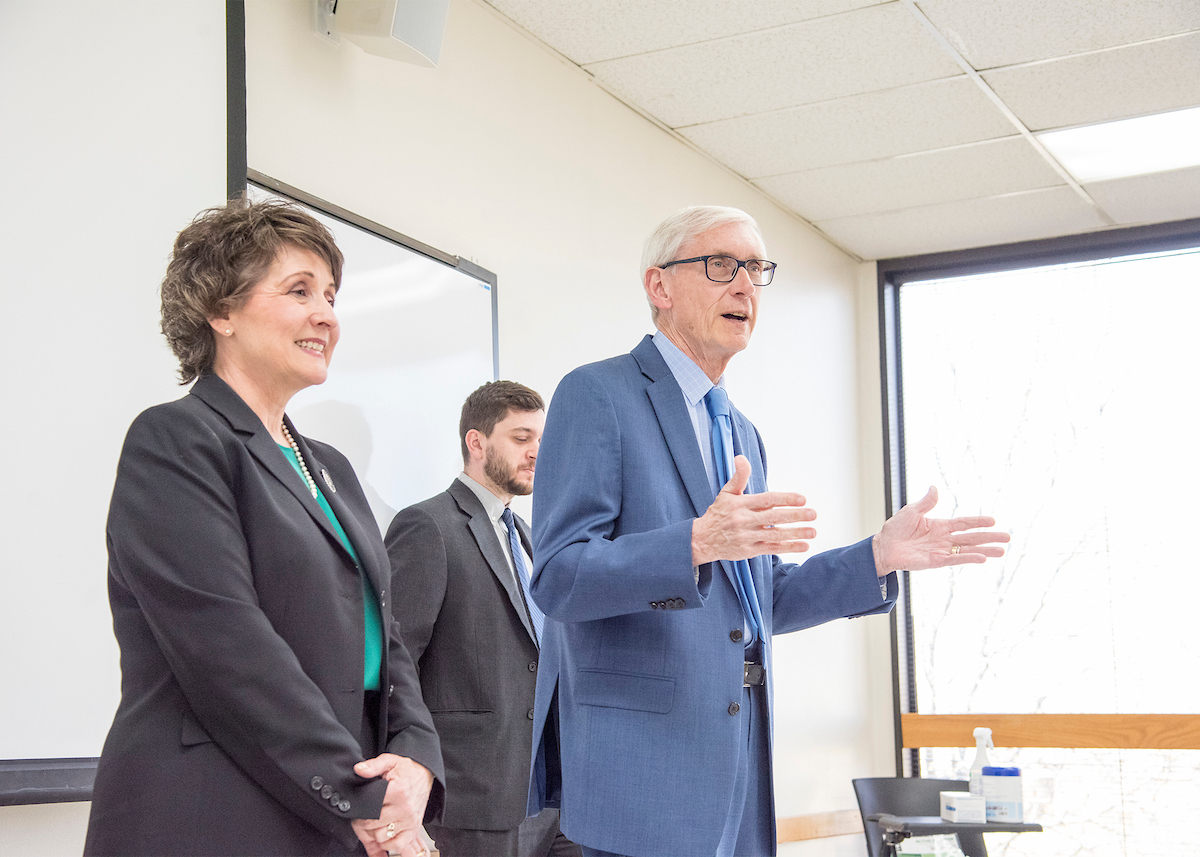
pixel 462 617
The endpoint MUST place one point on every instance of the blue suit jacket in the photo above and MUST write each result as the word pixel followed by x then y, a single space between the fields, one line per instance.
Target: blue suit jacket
pixel 641 653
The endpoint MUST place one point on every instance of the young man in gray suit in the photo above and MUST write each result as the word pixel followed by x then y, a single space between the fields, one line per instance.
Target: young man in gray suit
pixel 462 561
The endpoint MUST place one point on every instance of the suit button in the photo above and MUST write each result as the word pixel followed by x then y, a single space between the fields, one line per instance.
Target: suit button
pixel 316 783
pixel 335 798
pixel 736 635
pixel 530 714
pixel 679 603
pixel 734 708
pixel 326 791
pixel 344 806
pixel 653 605
pixel 533 666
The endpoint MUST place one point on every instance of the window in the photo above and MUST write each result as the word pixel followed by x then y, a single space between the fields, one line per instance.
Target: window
pixel 1057 395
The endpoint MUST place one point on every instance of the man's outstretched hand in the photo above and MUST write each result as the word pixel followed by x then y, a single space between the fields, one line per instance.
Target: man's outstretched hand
pixel 909 540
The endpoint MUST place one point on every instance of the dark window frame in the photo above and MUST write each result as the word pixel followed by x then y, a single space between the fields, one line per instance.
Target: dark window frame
pixel 894 273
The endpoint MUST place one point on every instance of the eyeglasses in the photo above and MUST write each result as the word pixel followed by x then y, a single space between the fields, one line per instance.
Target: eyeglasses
pixel 722 269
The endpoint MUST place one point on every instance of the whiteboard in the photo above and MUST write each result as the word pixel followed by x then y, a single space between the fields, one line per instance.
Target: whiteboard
pixel 418 334
pixel 87 355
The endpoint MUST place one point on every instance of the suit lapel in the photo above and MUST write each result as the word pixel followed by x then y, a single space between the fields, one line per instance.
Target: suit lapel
pixel 378 572
pixel 525 534
pixel 484 533
pixel 745 442
pixel 667 399
pixel 221 398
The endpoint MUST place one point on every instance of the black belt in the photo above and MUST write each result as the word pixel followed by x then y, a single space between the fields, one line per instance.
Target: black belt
pixel 754 675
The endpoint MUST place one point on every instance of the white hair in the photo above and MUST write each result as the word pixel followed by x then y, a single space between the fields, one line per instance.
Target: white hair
pixel 681 227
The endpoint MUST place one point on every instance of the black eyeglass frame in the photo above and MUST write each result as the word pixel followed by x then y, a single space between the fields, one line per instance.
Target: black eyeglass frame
pixel 768 267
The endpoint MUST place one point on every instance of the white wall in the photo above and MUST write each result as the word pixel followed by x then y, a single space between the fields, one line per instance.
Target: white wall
pixel 504 155
pixel 510 157
pixel 114 137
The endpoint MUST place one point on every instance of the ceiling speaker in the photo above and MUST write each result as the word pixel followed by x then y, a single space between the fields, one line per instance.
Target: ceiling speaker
pixel 407 30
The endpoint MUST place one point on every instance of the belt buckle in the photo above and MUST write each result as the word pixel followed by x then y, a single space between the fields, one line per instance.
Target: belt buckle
pixel 753 675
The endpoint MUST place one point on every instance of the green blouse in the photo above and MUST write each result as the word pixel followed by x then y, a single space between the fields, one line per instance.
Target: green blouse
pixel 373 641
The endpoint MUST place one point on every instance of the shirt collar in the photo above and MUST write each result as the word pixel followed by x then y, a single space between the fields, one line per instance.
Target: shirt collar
pixel 690 377
pixel 491 503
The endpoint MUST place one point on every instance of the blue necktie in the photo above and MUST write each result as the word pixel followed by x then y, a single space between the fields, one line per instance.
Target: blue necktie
pixel 717 402
pixel 536 616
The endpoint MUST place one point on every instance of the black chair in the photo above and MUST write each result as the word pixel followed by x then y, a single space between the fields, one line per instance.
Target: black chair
pixel 908 796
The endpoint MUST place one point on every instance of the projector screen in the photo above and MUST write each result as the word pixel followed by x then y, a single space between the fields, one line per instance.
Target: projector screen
pixel 116 136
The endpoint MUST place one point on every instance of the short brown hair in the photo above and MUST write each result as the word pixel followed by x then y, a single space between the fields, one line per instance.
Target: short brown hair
pixel 218 259
pixel 490 404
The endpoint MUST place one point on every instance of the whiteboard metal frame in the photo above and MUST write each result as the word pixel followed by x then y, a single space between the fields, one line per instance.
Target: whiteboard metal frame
pixel 465 266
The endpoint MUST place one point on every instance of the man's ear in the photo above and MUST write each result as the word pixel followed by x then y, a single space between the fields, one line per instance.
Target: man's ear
pixel 475 439
pixel 656 290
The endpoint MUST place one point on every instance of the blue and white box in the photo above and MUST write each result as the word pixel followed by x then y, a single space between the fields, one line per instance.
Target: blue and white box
pixel 963 807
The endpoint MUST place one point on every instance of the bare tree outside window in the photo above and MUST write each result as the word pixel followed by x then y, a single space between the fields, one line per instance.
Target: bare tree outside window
pixel 1063 401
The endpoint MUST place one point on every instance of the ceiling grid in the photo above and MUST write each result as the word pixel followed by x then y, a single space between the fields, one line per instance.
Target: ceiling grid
pixel 905 126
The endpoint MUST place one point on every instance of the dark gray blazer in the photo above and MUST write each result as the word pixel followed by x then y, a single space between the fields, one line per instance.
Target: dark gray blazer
pixel 239 616
pixel 463 619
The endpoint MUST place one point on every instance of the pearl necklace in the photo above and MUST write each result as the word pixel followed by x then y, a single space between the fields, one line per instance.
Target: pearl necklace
pixel 312 486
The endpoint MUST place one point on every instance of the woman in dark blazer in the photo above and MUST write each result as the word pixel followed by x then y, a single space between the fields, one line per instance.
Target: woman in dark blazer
pixel 266 707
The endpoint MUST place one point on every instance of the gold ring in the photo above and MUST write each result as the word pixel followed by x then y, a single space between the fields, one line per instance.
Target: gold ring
pixel 954 549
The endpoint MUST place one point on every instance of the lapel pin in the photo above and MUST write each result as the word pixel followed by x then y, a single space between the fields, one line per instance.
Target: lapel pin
pixel 328 480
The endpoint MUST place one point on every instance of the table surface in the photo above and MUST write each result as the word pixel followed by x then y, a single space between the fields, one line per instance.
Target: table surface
pixel 928 825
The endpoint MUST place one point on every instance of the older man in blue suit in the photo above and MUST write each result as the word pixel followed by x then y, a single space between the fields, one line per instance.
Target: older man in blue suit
pixel 656 549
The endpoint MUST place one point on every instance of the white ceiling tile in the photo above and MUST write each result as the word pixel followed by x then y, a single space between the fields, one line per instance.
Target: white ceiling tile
pixel 865 127
pixel 860 51
pixel 1154 198
pixel 587 31
pixel 962 225
pixel 980 169
pixel 992 33
pixel 1134 81
pixel 849 113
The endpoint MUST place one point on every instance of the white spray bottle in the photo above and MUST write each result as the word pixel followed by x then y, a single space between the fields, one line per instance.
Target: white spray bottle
pixel 983 742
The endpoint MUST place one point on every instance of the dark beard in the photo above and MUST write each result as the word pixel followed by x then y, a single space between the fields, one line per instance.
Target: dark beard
pixel 503 477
